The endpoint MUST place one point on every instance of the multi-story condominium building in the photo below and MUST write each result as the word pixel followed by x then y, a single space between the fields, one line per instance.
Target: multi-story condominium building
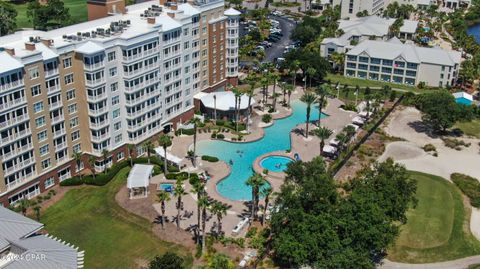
pixel 365 28
pixel 393 61
pixel 101 85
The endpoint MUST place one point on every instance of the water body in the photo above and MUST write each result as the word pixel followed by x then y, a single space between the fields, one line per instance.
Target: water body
pixel 242 155
pixel 474 30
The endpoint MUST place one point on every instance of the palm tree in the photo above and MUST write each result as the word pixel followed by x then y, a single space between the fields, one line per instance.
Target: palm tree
pixel 105 154
pixel 148 147
pixel 342 139
pixel 322 92
pixel 250 93
pixel 195 122
pixel 219 209
pixel 338 59
pixel 238 96
pixel 289 89
pixel 293 71
pixel 203 203
pixel 274 104
pixel 163 197
pixel 346 89
pixel 266 193
pixel 36 209
pixel 198 188
pixel 309 99
pixel 23 205
pixel 256 181
pixel 215 108
pixel 77 156
pixel 91 163
pixel 178 192
pixel 310 73
pixel 164 141
pixel 130 148
pixel 368 98
pixel 322 133
pixel 274 77
pixel 264 83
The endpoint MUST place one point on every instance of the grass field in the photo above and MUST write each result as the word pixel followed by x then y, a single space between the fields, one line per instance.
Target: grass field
pixel 90 218
pixel 335 78
pixel 77 9
pixel 469 128
pixel 437 229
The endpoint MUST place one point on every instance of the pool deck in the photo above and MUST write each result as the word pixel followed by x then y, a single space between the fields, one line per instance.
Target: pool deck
pixel 274 178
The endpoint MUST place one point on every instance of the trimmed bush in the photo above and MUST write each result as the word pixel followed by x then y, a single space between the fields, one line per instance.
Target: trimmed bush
pixel 103 178
pixel 172 169
pixel 211 159
pixel 185 132
pixel 429 147
pixel 470 187
pixel 220 136
pixel 220 122
pixel 214 135
pixel 73 181
pixel 171 176
pixel 267 118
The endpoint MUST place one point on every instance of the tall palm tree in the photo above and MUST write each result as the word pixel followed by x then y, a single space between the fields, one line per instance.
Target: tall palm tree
pixel 274 76
pixel 163 197
pixel 91 163
pixel 195 122
pixel 256 181
pixel 130 148
pixel 250 93
pixel 322 133
pixel 23 205
pixel 294 65
pixel 368 98
pixel 179 191
pixel 342 139
pixel 264 83
pixel 219 209
pixel 238 95
pixel 198 188
pixel 322 92
pixel 266 193
pixel 37 209
pixel 164 141
pixel 148 147
pixel 105 154
pixel 274 104
pixel 309 99
pixel 289 89
pixel 77 156
pixel 203 203
pixel 310 73
pixel 339 60
pixel 346 89
pixel 215 108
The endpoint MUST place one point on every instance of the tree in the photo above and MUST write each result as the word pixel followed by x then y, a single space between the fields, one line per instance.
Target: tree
pixel 310 73
pixel 256 181
pixel 8 15
pixel 130 148
pixel 91 163
pixel 23 206
pixel 274 76
pixel 266 193
pixel 77 156
pixel 195 122
pixel 322 92
pixel 169 260
pixel 215 108
pixel 105 154
pixel 164 141
pixel 219 209
pixel 37 209
pixel 53 14
pixel 322 133
pixel 198 188
pixel 338 60
pixel 178 192
pixel 309 99
pixel 289 88
pixel 148 146
pixel 204 203
pixel 264 82
pixel 162 197
pixel 309 58
pixel 250 93
pixel 219 261
pixel 439 109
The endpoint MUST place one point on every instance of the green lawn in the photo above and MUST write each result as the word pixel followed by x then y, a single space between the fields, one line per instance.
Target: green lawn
pixel 471 128
pixel 334 78
pixel 90 218
pixel 77 9
pixel 437 229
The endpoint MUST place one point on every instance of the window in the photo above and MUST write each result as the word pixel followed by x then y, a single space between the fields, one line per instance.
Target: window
pixel 46 163
pixel 115 100
pixel 40 121
pixel 43 150
pixel 118 138
pixel 42 136
pixel 75 135
pixel 36 90
pixel 117 126
pixel 33 72
pixel 74 122
pixel 67 62
pixel 70 94
pixel 68 79
pixel 38 107
pixel 72 108
pixel 204 42
pixel 120 155
pixel 111 56
pixel 204 30
pixel 112 71
pixel 185 31
pixel 49 182
pixel 77 148
pixel 114 86
pixel 204 18
pixel 116 113
pixel 186 45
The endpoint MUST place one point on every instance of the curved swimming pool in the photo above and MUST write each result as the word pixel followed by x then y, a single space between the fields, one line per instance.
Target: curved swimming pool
pixel 275 163
pixel 240 156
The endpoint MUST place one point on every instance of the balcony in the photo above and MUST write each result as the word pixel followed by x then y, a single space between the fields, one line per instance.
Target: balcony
pixel 141 98
pixel 100 138
pixel 97 97
pixel 53 89
pixel 60 146
pixel 51 72
pixel 16 136
pixel 65 176
pixel 12 185
pixel 14 121
pixel 19 166
pixel 140 55
pixel 12 85
pixel 58 119
pixel 14 103
pixel 133 72
pixel 172 54
pixel 59 133
pixel 143 110
pixel 95 82
pixel 232 24
pixel 94 66
pixel 98 112
pixel 55 105
pixel 97 125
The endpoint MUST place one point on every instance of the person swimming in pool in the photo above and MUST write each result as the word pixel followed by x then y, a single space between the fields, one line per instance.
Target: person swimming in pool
pixel 231 162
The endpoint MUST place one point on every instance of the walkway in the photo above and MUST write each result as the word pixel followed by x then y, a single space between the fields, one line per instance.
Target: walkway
pixel 456 264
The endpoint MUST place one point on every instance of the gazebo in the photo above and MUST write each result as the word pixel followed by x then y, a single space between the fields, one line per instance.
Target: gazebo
pixel 222 104
pixel 139 180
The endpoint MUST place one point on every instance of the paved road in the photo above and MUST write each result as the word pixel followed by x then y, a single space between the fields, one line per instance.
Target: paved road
pixel 455 264
pixel 276 50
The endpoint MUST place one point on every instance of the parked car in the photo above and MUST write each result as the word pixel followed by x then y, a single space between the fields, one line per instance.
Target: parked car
pixel 266 44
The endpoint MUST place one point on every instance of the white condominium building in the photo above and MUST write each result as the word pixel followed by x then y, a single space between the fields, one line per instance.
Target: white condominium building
pixel 99 86
pixel 393 61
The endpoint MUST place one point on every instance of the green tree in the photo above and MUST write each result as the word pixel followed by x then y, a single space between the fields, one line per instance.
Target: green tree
pixel 77 156
pixel 8 15
pixel 37 209
pixel 179 192
pixel 105 154
pixel 439 109
pixel 322 133
pixel 91 162
pixel 322 91
pixel 162 197
pixel 130 148
pixel 148 148
pixel 164 141
pixel 53 14
pixel 309 58
pixel 196 121
pixel 23 206
pixel 256 181
pixel 219 261
pixel 204 203
pixel 169 260
pixel 219 209
pixel 267 191
pixel 308 98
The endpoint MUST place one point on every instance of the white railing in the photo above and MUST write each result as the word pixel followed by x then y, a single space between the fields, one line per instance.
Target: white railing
pixel 141 98
pixel 16 183
pixel 98 124
pixel 13 103
pixel 11 85
pixel 15 136
pixel 58 119
pixel 96 97
pixel 60 146
pixel 94 66
pixel 54 88
pixel 59 133
pixel 95 82
pixel 100 137
pixel 55 105
pixel 98 111
pixel 19 166
pixel 51 72
pixel 14 121
pixel 143 110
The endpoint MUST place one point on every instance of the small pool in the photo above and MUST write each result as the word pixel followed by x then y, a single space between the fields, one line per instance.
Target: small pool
pixel 463 101
pixel 168 187
pixel 275 163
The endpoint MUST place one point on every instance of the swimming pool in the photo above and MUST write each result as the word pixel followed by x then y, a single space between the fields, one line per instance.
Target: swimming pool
pixel 168 187
pixel 463 101
pixel 275 163
pixel 242 155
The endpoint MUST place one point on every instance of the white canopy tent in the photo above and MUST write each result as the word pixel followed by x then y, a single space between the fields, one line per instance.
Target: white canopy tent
pixel 170 158
pixel 329 150
pixel 358 121
pixel 138 180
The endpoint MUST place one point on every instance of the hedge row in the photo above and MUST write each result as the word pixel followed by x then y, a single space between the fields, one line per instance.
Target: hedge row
pixel 211 159
pixel 185 132
pixel 181 176
pixel 469 186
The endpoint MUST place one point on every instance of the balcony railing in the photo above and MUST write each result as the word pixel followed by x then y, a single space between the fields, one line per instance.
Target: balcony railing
pixel 99 111
pixel 95 82
pixel 60 146
pixel 51 72
pixel 97 97
pixel 21 165
pixel 99 138
pixel 143 110
pixel 12 185
pixel 15 136
pixel 12 85
pixel 141 98
pixel 58 119
pixel 13 103
pixel 54 88
pixel 13 121
pixel 55 105
pixel 59 133
pixel 99 124
pixel 94 66
pixel 141 54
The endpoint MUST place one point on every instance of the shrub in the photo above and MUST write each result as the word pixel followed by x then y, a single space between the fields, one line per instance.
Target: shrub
pixel 185 132
pixel 171 176
pixel 470 187
pixel 220 136
pixel 157 170
pixel 214 135
pixel 267 118
pixel 455 143
pixel 393 95
pixel 211 159
pixel 173 169
pixel 270 110
pixel 104 178
pixel 429 147
pixel 349 107
pixel 73 181
pixel 220 122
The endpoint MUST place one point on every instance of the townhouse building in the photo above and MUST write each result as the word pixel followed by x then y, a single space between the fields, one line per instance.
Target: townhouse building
pixel 99 86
